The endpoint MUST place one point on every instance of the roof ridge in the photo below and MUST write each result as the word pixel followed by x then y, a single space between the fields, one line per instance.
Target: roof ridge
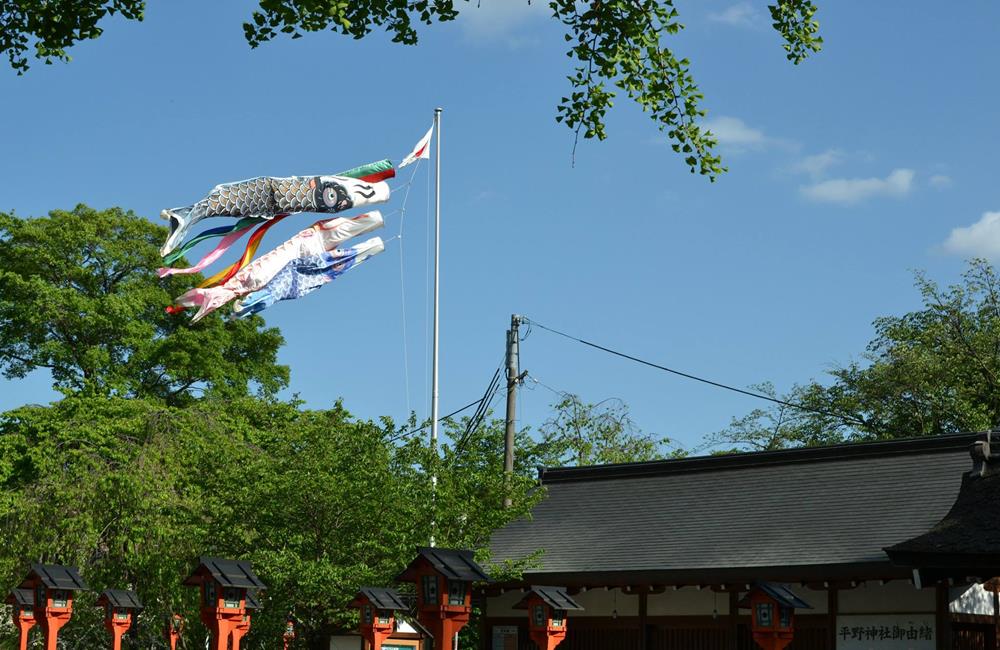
pixel 795 455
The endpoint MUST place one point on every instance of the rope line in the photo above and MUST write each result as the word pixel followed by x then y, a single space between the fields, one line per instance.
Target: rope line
pixel 402 288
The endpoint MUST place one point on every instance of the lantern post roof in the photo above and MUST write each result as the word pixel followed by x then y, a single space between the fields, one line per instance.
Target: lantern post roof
pixel 380 598
pixel 252 600
pixel 120 598
pixel 228 573
pixel 778 592
pixel 454 564
pixel 556 597
pixel 56 576
pixel 21 597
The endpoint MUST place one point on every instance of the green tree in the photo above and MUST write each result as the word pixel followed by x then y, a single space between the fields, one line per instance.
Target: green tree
pixel 132 491
pixel 579 433
pixel 933 370
pixel 79 297
pixel 616 46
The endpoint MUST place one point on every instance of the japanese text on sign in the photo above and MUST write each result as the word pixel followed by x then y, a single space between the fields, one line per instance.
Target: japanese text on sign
pixel 886 632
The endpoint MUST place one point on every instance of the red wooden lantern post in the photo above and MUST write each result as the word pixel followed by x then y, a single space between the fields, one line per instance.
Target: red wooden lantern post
pixel 547 607
pixel 23 603
pixel 173 629
pixel 772 614
pixel 378 609
pixel 120 607
pixel 224 585
pixel 289 634
pixel 444 580
pixel 243 627
pixel 53 586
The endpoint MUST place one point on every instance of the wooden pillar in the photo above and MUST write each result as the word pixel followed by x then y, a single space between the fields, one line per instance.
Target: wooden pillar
pixel 942 616
pixel 643 605
pixel 484 628
pixel 832 606
pixel 996 614
pixel 734 619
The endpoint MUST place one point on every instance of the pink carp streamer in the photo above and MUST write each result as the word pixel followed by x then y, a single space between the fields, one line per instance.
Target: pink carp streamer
pixel 321 237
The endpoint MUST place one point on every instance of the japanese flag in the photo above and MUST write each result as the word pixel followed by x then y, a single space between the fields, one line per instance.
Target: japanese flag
pixel 422 150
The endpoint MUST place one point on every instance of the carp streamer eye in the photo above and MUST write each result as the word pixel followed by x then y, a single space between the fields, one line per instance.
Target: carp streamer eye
pixel 330 196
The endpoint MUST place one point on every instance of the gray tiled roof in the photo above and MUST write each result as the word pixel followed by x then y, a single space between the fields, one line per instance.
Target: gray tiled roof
pixel 967 539
pixel 815 506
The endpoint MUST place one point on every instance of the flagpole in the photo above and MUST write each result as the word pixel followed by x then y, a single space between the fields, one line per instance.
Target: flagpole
pixel 437 260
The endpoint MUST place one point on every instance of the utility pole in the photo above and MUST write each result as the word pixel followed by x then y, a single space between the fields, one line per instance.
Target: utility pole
pixel 514 377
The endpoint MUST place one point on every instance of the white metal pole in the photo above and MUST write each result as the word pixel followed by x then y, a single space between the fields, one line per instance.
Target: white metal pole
pixel 437 279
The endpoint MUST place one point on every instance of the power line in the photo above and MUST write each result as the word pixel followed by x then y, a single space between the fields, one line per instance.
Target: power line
pixel 440 419
pixel 749 393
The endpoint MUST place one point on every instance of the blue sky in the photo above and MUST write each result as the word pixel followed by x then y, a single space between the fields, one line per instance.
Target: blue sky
pixel 847 172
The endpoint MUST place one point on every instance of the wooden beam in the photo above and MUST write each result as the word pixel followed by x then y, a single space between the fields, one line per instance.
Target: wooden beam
pixel 643 611
pixel 942 616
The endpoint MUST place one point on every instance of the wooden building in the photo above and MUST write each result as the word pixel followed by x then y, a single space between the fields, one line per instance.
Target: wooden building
pixel 659 554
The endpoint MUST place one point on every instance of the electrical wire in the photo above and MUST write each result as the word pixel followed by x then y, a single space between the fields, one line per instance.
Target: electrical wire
pixel 440 419
pixel 484 407
pixel 686 375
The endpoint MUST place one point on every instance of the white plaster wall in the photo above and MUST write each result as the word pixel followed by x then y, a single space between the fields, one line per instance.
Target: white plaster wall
pixel 503 605
pixel 687 601
pixel 598 602
pixel 817 599
pixel 971 599
pixel 897 596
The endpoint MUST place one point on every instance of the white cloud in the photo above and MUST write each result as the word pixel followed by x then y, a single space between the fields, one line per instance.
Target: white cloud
pixel 817 164
pixel 981 239
pixel 940 181
pixel 738 136
pixel 897 184
pixel 742 14
pixel 498 20
pixel 734 131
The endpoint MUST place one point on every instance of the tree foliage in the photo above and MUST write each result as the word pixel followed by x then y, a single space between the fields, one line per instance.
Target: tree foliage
pixel 616 46
pixel 51 27
pixel 133 491
pixel 579 433
pixel 933 370
pixel 79 297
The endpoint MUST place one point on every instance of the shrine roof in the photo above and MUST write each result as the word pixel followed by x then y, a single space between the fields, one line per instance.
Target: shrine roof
pixel 798 511
pixel 966 541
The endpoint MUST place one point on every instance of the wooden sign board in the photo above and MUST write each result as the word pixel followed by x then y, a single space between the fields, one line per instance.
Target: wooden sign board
pixel 886 632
